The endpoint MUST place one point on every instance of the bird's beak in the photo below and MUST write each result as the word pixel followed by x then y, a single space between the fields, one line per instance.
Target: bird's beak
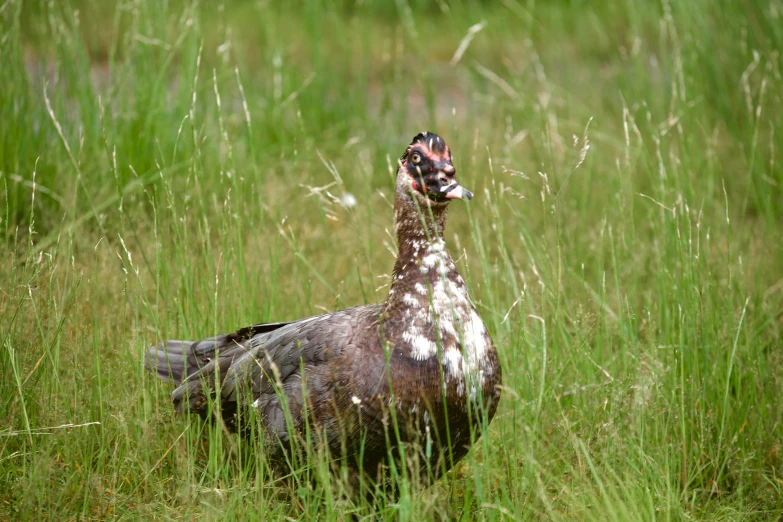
pixel 456 191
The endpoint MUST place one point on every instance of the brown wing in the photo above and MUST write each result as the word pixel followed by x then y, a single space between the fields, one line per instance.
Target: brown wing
pixel 255 366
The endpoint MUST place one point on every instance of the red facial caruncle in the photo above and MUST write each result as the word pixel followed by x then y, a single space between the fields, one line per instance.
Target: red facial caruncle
pixel 429 165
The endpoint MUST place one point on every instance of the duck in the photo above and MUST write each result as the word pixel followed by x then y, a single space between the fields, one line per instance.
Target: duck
pixel 417 372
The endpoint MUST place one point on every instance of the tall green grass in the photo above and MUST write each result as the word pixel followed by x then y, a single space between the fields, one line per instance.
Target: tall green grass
pixel 161 167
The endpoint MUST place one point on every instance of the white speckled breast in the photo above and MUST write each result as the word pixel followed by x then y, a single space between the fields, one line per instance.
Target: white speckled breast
pixel 438 313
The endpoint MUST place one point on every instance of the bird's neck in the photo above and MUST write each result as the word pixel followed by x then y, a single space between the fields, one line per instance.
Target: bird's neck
pixel 422 261
pixel 414 222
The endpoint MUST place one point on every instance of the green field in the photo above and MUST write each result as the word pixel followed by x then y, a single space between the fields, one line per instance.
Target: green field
pixel 172 169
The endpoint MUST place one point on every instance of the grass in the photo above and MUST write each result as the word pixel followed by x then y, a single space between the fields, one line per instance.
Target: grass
pixel 158 174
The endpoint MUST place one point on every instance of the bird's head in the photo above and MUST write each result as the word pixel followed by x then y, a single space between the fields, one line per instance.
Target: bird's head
pixel 426 173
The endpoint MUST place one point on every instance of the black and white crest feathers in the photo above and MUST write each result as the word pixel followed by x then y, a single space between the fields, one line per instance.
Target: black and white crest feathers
pixel 432 141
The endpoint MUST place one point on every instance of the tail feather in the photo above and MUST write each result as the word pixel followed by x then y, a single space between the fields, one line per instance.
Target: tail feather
pixel 175 361
pixel 195 366
pixel 172 361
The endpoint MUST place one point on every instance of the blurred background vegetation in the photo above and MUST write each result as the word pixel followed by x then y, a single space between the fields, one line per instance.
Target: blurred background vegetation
pixel 162 174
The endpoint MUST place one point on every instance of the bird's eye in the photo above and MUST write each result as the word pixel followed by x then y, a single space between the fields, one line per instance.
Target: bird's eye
pixel 416 158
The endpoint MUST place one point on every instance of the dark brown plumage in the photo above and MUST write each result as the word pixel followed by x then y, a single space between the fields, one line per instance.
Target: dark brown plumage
pixel 422 359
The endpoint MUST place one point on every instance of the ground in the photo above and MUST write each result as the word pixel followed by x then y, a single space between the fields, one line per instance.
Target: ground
pixel 177 170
